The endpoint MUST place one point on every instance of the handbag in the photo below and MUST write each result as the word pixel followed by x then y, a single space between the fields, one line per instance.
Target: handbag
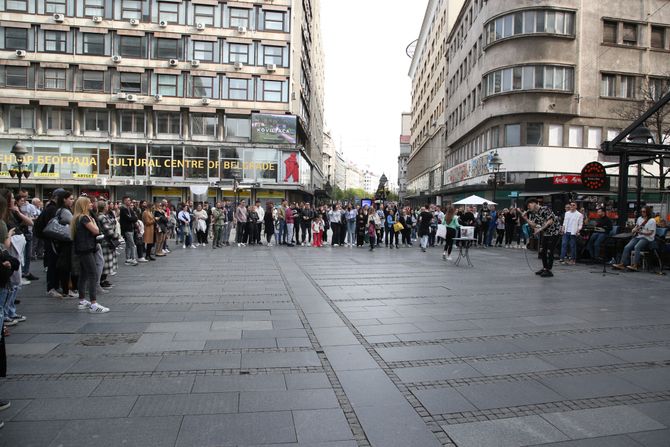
pixel 397 227
pixel 441 231
pixel 56 231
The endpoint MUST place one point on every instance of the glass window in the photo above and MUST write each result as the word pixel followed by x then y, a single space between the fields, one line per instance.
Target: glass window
pixel 168 123
pixel 274 20
pixel 575 136
pixel 21 118
pixel 239 53
pixel 202 87
pixel 94 44
pixel 54 78
pixel 518 23
pixel 168 12
pixel 93 81
pixel 527 75
pixel 96 120
pixel 272 90
pixel 238 128
pixel 657 37
pixel 273 55
pixel 555 135
pixel 534 134
pixel 17 5
pixel 550 22
pixel 132 121
pixel 131 46
pixel 495 136
pixel 627 87
pixel 16 39
pixel 239 17
pixel 167 85
pixel 610 31
pixel 594 137
pixel 204 125
pixel 94 8
pixel 16 76
pixel 507 80
pixel 167 49
pixel 607 85
pixel 539 22
pixel 131 9
pixel 630 34
pixel 55 6
pixel 512 135
pixel 529 21
pixel 203 51
pixel 55 41
pixel 130 82
pixel 238 89
pixel 204 14
pixel 658 87
pixel 59 119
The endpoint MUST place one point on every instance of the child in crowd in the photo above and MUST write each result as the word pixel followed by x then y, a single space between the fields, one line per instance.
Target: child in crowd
pixel 317 231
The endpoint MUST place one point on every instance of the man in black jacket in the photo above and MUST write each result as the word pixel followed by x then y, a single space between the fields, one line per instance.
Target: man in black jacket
pixel 50 255
pixel 306 214
pixel 127 220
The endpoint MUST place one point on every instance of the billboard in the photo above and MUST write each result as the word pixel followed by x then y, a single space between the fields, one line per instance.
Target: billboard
pixel 273 129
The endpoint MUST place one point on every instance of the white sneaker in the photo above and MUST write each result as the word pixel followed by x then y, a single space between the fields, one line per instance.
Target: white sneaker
pixel 98 309
pixel 269 244
pixel 102 290
pixel 54 293
pixel 84 304
pixel 194 246
pixel 73 294
pixel 25 282
pixel 335 245
pixel 449 258
pixel 444 257
pixel 183 246
pixel 166 251
pixel 142 260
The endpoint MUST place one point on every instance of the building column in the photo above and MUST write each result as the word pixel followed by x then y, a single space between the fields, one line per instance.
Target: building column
pixel 76 123
pixel 221 129
pixel 148 117
pixel 2 119
pixel 185 134
pixel 39 125
pixel 113 124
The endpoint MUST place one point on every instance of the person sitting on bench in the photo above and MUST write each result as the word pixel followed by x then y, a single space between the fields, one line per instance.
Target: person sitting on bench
pixel 603 228
pixel 644 231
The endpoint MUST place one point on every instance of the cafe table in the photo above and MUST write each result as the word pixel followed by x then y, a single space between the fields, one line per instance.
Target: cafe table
pixel 464 244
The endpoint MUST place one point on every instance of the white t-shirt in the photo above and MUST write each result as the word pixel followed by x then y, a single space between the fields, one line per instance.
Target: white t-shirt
pixel 572 222
pixel 649 228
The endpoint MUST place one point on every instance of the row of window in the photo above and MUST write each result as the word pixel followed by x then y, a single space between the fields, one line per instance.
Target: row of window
pixel 143 47
pixel 529 77
pixel 635 34
pixel 531 22
pixel 131 123
pixel 632 86
pixel 179 85
pixel 156 11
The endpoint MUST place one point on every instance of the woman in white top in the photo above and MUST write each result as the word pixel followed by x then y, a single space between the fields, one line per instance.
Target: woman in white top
pixel 200 216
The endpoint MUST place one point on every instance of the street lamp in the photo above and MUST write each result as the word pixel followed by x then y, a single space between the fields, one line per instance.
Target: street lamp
pixel 495 162
pixel 640 135
pixel 20 151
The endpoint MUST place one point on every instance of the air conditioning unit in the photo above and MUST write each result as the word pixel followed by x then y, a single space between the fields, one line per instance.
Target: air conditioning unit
pixel 238 65
pixel 173 62
pixel 200 26
pixel 139 182
pixel 131 98
pixel 116 59
pixel 205 101
pixel 163 23
pixel 134 22
pixel 271 67
pixel 21 53
pixel 97 19
pixel 121 95
pixel 59 18
pixel 158 97
pixel 128 181
pixel 241 29
pixel 195 63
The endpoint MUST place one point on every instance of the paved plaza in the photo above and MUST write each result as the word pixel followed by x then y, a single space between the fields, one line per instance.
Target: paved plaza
pixel 340 347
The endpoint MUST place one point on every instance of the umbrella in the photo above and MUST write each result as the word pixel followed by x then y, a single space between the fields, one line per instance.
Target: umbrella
pixel 474 200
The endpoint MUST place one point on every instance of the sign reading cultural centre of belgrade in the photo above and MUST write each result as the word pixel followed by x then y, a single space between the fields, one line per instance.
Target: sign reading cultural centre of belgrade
pixel 273 129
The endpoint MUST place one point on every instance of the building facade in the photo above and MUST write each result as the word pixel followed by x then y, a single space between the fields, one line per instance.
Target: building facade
pixel 544 83
pixel 150 97
pixel 403 158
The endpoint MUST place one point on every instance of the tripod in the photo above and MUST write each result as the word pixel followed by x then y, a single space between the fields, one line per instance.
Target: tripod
pixel 604 271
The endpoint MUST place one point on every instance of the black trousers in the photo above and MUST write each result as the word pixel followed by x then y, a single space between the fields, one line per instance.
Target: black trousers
pixel 449 242
pixel 547 251
pixel 306 230
pixel 241 233
pixel 336 232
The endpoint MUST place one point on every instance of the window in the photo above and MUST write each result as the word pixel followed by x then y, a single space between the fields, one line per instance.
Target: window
pixel 96 120
pixel 607 85
pixel 610 31
pixel 555 135
pixel 529 22
pixel 130 82
pixel 55 6
pixel 534 134
pixel 54 78
pixel 203 51
pixel 204 125
pixel 131 46
pixel 17 5
pixel 94 8
pixel 239 17
pixel 575 136
pixel 16 76
pixel 168 123
pixel 271 90
pixel 273 55
pixel 168 12
pixel 627 87
pixel 55 41
pixel 274 20
pixel 21 118
pixel 512 135
pixel 657 37
pixel 166 49
pixel 204 14
pixel 658 87
pixel 238 129
pixel 202 87
pixel 238 89
pixel 93 81
pixel 167 85
pixel 630 34
pixel 16 39
pixel 239 53
pixel 529 77
pixel 132 121
pixel 131 9
pixel 594 137
pixel 59 119
pixel 94 44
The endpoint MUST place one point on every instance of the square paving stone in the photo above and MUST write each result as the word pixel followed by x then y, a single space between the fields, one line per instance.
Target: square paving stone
pixel 660 411
pixel 180 404
pixel 113 328
pixel 395 426
pixel 321 426
pixel 245 325
pixel 601 422
pixel 408 353
pixel 199 361
pixel 135 432
pixel 249 382
pixel 386 329
pixel 443 401
pixel 511 432
pixel 349 357
pixel 656 438
pixel 115 364
pixel 279 359
pixel 508 394
pixel 432 373
pixel 594 385
pixel 137 386
pixel 235 334
pixel 608 441
pixel 77 408
pixel 29 434
pixel 243 343
pixel 30 389
pixel 334 336
pixel 306 381
pixel 478 348
pixel 655 379
pixel 32 348
pixel 511 366
pixel 652 354
pixel 369 387
pixel 294 343
pixel 253 401
pixel 581 360
pixel 30 365
pixel 236 429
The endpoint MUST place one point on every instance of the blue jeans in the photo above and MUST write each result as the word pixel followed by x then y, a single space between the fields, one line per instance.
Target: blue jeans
pixel 489 236
pixel 638 244
pixel 4 294
pixel 594 244
pixel 282 232
pixel 131 248
pixel 571 239
pixel 9 307
pixel 351 232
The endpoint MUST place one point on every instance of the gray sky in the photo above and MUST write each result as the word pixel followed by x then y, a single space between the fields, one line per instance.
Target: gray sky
pixel 367 87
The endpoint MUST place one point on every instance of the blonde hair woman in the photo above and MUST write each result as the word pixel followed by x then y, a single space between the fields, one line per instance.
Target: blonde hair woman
pixel 84 239
pixel 149 222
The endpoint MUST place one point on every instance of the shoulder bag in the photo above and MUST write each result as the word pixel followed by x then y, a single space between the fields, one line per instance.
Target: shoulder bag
pixel 56 231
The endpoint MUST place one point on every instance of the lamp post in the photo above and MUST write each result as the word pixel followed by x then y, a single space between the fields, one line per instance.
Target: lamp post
pixel 495 162
pixel 640 135
pixel 20 151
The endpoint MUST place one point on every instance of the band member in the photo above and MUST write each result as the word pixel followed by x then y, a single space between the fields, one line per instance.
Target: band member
pixel 644 233
pixel 546 227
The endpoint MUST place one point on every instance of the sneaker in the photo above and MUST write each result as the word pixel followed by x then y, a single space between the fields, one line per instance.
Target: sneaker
pixel 142 260
pixel 19 318
pixel 10 322
pixel 4 404
pixel 166 250
pixel 444 257
pixel 449 258
pixel 98 309
pixel 106 284
pixel 54 294
pixel 183 246
pixel 73 294
pixel 546 274
pixel 194 246
pixel 632 268
pixel 31 277
pixel 618 266
pixel 335 245
pixel 25 282
pixel 102 290
pixel 269 244
pixel 84 304
pixel 129 262
pixel 539 272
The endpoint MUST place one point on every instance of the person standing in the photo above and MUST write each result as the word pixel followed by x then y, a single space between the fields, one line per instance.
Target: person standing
pixel 334 217
pixel 252 224
pixel 241 219
pixel 317 230
pixel 374 222
pixel 425 218
pixel 269 222
pixel 31 212
pixel 545 225
pixel 229 222
pixel 288 216
pixel 149 236
pixel 281 223
pixel 161 228
pixel 306 222
pixel 200 216
pixel 127 219
pixel 184 218
pixel 572 225
pixel 361 226
pixel 451 221
pixel 107 226
pixel 218 219
pixel 511 222
pixel 261 218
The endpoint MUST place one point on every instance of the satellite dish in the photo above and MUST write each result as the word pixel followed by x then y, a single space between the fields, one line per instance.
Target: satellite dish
pixel 411 48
